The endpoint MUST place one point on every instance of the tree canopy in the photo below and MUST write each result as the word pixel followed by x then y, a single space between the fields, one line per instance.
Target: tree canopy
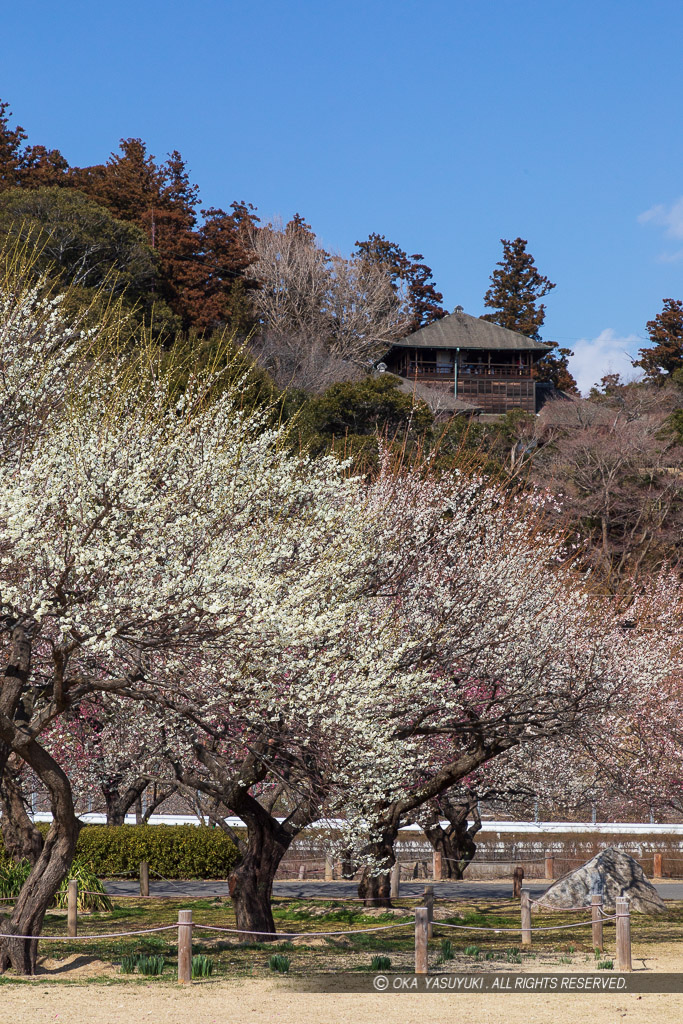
pixel 665 354
pixel 411 279
pixel 516 287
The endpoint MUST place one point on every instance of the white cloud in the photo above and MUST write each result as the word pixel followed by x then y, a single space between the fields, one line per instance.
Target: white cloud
pixel 671 219
pixel 671 257
pixel 608 353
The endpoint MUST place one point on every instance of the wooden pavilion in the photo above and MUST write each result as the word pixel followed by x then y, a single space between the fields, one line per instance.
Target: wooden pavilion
pixel 477 362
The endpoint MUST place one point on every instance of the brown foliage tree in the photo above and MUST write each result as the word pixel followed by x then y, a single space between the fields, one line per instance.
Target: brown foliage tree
pixel 201 267
pixel 665 355
pixel 410 278
pixel 516 287
pixel 553 368
pixel 11 153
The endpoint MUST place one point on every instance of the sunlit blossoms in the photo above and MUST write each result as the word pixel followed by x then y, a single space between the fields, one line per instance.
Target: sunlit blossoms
pixel 294 641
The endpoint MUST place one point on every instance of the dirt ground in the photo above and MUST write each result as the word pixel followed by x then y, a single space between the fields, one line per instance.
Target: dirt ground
pixel 95 994
pixel 274 1002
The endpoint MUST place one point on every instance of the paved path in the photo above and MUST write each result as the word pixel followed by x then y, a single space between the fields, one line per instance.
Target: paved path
pixel 338 890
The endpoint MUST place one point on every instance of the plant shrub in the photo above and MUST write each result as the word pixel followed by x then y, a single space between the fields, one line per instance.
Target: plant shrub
pixel 202 966
pixel 279 963
pixel 173 851
pixel 380 963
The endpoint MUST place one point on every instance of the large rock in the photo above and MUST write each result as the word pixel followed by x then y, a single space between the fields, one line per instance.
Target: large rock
pixel 612 873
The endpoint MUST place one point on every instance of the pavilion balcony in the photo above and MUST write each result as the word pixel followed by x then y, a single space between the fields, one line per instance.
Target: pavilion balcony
pixel 426 371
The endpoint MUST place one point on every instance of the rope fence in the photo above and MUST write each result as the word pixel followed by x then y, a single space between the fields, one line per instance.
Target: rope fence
pixel 423 925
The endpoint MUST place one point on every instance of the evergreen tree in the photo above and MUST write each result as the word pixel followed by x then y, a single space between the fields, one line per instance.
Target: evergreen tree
pixel 553 368
pixel 666 336
pixel 222 296
pixel 11 153
pixel 42 168
pixel 516 287
pixel 411 279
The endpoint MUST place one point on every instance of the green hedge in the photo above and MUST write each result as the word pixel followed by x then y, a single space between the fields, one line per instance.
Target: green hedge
pixel 174 851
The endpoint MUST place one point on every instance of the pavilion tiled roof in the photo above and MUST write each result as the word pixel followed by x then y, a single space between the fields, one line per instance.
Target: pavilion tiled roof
pixel 460 330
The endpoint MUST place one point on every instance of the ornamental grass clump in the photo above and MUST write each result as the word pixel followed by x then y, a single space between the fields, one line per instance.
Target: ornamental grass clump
pixel 202 966
pixel 13 874
pixel 152 966
pixel 279 963
pixel 91 893
pixel 380 963
pixel 447 951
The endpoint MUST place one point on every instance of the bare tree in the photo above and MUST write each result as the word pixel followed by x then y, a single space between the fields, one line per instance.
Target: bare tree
pixel 302 361
pixel 618 473
pixel 320 314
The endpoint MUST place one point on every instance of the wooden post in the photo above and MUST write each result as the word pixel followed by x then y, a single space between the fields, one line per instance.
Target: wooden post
pixel 329 868
pixel 144 878
pixel 437 866
pixel 421 929
pixel 428 902
pixel 596 918
pixel 623 934
pixel 302 871
pixel 517 879
pixel 657 870
pixel 184 947
pixel 549 866
pixel 395 880
pixel 72 908
pixel 526 918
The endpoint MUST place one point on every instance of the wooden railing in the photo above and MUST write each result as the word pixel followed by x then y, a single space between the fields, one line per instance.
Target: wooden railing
pixel 438 371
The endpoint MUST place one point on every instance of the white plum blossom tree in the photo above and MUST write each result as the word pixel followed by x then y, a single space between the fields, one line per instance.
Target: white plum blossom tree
pixel 145 535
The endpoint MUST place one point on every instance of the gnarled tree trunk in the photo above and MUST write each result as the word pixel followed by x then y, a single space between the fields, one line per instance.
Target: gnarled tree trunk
pixel 375 882
pixel 49 870
pixel 455 843
pixel 22 839
pixel 251 882
pixel 118 802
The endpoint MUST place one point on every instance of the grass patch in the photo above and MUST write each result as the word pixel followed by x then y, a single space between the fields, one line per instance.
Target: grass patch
pixel 380 963
pixel 279 963
pixel 202 966
pixel 334 954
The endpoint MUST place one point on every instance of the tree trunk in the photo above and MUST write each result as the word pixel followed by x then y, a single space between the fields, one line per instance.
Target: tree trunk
pixel 251 882
pixel 375 882
pixel 118 802
pixel 22 839
pixel 456 842
pixel 47 873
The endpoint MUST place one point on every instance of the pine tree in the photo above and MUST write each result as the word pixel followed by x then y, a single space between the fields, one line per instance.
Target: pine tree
pixel 11 153
pixel 516 287
pixel 666 335
pixel 553 368
pixel 410 277
pixel 222 296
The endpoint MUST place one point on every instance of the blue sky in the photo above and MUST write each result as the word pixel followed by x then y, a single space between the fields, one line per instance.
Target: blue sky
pixel 445 125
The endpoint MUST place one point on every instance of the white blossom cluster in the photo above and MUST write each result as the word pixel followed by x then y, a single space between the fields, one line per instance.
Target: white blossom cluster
pixel 392 636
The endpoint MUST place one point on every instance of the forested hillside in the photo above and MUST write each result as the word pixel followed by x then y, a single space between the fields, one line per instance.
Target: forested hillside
pixel 311 324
